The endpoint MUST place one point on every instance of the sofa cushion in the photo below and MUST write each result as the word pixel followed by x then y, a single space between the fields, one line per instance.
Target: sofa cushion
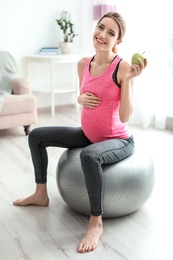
pixel 20 86
pixel 16 104
pixel 9 121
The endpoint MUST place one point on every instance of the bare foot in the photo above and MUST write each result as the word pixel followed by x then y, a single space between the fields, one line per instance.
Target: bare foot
pixel 33 200
pixel 92 236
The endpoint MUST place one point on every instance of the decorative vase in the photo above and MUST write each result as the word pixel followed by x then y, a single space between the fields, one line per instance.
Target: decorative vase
pixel 66 47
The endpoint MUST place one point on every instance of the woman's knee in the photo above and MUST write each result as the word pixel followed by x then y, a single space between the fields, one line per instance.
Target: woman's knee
pixel 88 155
pixel 33 136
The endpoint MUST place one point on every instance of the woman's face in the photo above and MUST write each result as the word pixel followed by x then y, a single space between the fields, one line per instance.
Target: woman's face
pixel 106 34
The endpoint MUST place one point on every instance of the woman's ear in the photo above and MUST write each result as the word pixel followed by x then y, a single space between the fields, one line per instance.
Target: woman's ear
pixel 119 41
pixel 115 49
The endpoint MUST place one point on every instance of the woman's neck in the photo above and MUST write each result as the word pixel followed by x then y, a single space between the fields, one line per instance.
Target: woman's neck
pixel 103 58
pixel 100 63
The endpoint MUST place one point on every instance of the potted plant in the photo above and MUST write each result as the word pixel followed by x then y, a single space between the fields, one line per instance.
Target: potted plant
pixel 67 27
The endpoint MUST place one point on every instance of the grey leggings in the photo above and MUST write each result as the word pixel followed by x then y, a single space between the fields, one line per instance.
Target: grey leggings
pixel 92 156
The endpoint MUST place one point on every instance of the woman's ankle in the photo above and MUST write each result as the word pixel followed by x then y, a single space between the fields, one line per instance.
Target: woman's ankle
pixel 96 221
pixel 41 189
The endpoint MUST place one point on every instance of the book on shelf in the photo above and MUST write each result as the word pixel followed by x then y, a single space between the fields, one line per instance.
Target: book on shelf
pixel 49 49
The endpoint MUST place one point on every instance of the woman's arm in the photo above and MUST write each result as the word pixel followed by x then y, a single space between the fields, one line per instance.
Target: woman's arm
pixel 80 67
pixel 125 76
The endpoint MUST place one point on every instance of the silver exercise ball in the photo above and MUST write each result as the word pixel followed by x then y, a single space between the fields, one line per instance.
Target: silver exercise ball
pixel 127 184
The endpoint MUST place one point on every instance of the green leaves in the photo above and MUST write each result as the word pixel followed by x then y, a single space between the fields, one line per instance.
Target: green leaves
pixel 66 26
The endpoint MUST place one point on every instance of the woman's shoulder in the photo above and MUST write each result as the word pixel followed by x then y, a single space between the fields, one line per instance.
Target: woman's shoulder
pixel 124 65
pixel 82 61
pixel 81 64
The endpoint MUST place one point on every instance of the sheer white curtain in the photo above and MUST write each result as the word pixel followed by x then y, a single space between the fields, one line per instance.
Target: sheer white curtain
pixel 148 29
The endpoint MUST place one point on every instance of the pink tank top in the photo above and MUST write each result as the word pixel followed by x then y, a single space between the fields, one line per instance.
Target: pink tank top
pixel 103 123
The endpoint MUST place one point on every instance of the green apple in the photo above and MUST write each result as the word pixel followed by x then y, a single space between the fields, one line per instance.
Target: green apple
pixel 135 58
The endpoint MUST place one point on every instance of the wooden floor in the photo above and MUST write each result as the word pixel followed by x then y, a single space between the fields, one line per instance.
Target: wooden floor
pixel 35 233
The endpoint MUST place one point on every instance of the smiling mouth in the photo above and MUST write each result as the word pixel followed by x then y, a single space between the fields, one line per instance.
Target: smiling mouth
pixel 100 41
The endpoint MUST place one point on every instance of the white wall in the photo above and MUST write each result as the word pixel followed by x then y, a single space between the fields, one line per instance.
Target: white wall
pixel 28 25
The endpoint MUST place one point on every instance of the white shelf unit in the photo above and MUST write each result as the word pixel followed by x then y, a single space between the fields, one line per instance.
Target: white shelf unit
pixel 55 87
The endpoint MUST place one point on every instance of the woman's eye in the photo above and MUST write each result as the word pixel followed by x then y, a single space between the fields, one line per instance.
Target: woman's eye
pixel 100 27
pixel 112 34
